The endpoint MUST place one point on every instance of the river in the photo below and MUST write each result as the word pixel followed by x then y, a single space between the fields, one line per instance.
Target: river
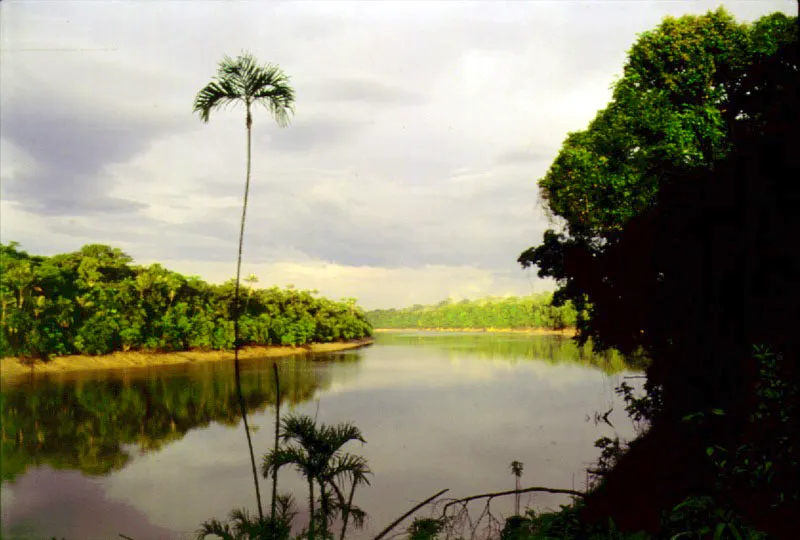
pixel 152 453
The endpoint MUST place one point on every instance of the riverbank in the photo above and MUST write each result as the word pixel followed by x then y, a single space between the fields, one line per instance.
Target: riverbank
pixel 567 332
pixel 10 367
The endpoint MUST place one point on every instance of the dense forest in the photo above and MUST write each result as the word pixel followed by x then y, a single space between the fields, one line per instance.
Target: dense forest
pixel 678 213
pixel 94 301
pixel 534 311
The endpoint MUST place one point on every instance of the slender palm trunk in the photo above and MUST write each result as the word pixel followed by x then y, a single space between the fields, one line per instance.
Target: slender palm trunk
pixel 310 508
pixel 323 508
pixel 346 510
pixel 277 425
pixel 516 497
pixel 237 312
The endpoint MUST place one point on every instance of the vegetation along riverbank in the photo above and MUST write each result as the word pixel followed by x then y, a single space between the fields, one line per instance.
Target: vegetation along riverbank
pixel 567 332
pixel 524 313
pixel 94 302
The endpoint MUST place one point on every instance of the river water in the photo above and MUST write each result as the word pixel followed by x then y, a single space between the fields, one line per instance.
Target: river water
pixel 152 453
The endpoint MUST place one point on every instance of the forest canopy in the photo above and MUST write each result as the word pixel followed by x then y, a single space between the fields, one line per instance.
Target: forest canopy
pixel 95 301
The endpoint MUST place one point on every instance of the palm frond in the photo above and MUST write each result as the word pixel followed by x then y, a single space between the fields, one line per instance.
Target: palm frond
pixel 286 508
pixel 358 516
pixel 214 527
pixel 288 455
pixel 350 466
pixel 340 434
pixel 300 428
pixel 215 95
pixel 242 79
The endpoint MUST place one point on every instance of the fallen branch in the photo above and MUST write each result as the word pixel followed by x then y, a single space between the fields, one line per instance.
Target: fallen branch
pixel 511 492
pixel 396 522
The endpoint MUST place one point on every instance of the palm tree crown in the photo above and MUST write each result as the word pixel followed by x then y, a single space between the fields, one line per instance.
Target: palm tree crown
pixel 243 80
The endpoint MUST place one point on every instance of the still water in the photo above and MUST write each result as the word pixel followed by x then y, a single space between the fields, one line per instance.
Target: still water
pixel 153 453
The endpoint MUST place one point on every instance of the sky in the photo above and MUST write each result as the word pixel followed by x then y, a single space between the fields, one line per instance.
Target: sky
pixel 408 174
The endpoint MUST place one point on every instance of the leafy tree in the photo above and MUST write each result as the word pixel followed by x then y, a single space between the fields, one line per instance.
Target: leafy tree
pixel 93 301
pixel 673 109
pixel 701 270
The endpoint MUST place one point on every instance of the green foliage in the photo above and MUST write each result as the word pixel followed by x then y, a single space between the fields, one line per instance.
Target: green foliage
pixel 688 88
pixel 670 108
pixel 94 302
pixel 534 311
pixel 701 517
pixel 567 525
pixel 643 408
pixel 679 206
pixel 425 529
pixel 764 458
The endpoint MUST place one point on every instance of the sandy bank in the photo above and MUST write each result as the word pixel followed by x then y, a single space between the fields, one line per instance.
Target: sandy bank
pixel 10 367
pixel 568 332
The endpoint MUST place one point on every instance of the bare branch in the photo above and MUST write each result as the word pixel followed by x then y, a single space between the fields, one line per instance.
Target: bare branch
pixel 511 492
pixel 396 522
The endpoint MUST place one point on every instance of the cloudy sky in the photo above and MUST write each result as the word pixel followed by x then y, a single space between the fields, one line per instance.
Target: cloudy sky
pixel 408 173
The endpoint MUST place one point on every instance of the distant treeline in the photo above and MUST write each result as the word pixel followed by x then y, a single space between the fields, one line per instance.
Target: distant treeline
pixel 94 301
pixel 534 311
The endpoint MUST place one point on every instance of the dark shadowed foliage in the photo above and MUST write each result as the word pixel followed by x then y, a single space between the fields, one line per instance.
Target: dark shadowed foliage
pixel 703 274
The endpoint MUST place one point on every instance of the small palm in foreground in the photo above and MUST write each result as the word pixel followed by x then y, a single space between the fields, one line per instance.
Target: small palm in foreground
pixel 243 80
pixel 242 526
pixel 315 451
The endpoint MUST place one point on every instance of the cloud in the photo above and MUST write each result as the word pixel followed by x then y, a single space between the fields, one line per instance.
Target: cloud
pixel 364 91
pixel 524 156
pixel 419 134
pixel 310 134
pixel 61 140
pixel 376 287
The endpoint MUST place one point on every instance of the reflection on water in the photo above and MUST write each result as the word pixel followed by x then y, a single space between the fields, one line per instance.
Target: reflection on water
pixel 439 411
pixel 92 422
pixel 512 347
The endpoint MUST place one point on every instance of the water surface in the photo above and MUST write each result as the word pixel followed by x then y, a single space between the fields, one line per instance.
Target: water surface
pixel 153 453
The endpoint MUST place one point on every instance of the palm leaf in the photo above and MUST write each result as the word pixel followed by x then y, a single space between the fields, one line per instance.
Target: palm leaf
pixel 243 80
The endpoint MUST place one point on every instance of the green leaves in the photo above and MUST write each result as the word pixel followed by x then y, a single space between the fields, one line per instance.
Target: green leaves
pixel 243 80
pixel 670 108
pixel 94 302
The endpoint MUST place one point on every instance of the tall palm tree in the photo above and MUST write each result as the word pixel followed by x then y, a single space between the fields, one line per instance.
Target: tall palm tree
pixel 243 80
pixel 315 451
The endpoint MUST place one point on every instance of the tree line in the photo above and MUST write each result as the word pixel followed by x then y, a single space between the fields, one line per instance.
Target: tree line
pixel 94 301
pixel 534 311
